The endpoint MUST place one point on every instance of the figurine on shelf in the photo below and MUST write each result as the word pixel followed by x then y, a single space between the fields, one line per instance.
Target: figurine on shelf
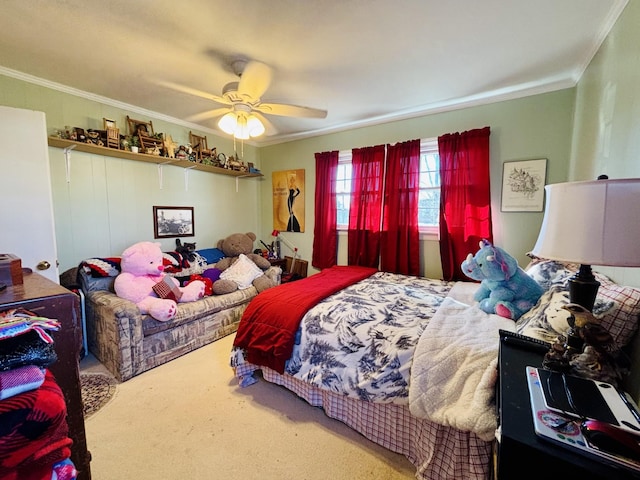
pixel 155 150
pixel 169 146
pixel 142 131
pixel 182 154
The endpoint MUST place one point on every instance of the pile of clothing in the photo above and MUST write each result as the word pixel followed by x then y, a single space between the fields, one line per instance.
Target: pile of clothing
pixel 34 436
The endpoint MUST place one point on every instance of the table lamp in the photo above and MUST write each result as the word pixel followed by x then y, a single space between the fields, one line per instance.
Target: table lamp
pixel 591 223
pixel 276 233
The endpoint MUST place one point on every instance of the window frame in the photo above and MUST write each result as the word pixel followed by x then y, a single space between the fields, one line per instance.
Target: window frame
pixel 427 146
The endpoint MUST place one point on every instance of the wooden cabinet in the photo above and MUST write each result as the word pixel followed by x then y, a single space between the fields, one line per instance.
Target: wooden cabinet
pixel 48 299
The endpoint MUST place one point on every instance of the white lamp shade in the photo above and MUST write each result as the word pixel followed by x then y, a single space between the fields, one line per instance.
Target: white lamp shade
pixel 242 132
pixel 255 126
pixel 592 223
pixel 228 123
pixel 241 126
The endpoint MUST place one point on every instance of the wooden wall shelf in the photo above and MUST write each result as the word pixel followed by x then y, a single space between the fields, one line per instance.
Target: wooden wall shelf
pixel 143 157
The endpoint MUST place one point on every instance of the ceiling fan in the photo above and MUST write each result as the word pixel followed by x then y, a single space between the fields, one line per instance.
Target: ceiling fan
pixel 243 112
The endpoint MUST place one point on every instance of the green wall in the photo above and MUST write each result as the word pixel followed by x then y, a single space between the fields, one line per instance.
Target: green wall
pixel 607 122
pixel 108 203
pixel 534 127
pixel 607 129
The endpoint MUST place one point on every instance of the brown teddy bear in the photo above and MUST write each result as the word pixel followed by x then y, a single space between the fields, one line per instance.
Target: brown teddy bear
pixel 241 268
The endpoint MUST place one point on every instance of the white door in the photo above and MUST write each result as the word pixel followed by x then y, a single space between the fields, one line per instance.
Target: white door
pixel 26 213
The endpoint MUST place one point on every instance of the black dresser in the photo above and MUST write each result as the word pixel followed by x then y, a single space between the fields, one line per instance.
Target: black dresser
pixel 520 453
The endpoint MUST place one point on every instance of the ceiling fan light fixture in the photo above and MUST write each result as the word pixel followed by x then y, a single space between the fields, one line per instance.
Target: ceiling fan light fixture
pixel 241 126
pixel 242 131
pixel 255 126
pixel 228 123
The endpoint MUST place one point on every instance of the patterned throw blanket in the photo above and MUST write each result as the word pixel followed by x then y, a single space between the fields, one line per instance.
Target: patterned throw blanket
pixel 269 324
pixel 33 432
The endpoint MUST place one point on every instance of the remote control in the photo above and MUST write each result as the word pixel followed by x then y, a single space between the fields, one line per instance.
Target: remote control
pixel 522 341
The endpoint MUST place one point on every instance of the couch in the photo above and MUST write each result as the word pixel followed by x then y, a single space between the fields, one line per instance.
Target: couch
pixel 128 343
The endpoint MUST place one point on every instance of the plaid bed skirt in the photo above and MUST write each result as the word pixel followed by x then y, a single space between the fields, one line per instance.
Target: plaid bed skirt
pixel 438 452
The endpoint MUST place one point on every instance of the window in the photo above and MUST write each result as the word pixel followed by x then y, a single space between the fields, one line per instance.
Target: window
pixel 429 198
pixel 343 189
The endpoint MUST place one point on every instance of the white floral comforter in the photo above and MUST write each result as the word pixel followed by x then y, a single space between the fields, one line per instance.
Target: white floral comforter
pixel 360 341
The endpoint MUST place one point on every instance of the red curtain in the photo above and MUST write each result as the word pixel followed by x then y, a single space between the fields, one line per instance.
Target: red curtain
pixel 365 210
pixel 400 242
pixel 325 237
pixel 465 197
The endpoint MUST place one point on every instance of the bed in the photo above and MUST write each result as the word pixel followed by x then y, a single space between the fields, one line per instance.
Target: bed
pixel 408 362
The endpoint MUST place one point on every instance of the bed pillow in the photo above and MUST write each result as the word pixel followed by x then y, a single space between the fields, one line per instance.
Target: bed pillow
pixel 549 272
pixel 243 272
pixel 622 319
pixel 617 307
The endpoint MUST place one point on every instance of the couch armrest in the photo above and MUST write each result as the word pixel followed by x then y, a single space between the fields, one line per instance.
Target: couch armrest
pixel 114 332
pixel 274 273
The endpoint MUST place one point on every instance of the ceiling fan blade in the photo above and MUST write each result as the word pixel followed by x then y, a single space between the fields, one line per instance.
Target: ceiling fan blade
pixel 290 110
pixel 254 81
pixel 195 92
pixel 216 112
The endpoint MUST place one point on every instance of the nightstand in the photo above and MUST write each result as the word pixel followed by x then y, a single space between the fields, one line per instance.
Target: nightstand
pixel 520 452
pixel 278 262
pixel 295 270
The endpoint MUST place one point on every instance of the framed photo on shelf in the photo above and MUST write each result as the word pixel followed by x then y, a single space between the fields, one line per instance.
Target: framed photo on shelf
pixel 109 123
pixel 173 222
pixel 523 185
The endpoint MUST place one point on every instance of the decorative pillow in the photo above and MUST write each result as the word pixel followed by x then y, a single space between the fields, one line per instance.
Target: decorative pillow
pixel 212 274
pixel 622 319
pixel 165 288
pixel 243 272
pixel 102 267
pixel 547 319
pixel 212 255
pixel 536 260
pixel 549 272
pixel 617 307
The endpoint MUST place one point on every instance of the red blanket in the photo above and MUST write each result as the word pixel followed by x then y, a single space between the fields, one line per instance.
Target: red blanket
pixel 268 327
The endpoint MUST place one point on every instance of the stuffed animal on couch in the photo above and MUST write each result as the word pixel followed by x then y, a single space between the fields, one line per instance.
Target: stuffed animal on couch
pixel 240 268
pixel 142 280
pixel 505 288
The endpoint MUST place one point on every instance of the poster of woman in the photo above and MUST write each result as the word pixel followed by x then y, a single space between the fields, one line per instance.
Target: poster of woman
pixel 288 200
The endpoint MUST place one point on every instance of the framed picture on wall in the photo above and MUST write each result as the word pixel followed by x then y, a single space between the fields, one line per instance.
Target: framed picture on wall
pixel 173 222
pixel 523 185
pixel 288 200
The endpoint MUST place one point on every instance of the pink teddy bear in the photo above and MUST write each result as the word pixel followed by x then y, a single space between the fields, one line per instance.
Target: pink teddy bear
pixel 142 268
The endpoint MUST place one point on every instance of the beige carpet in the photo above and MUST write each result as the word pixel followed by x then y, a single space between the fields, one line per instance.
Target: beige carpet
pixel 189 419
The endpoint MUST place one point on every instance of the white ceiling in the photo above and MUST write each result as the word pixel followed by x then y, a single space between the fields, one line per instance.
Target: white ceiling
pixel 364 61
